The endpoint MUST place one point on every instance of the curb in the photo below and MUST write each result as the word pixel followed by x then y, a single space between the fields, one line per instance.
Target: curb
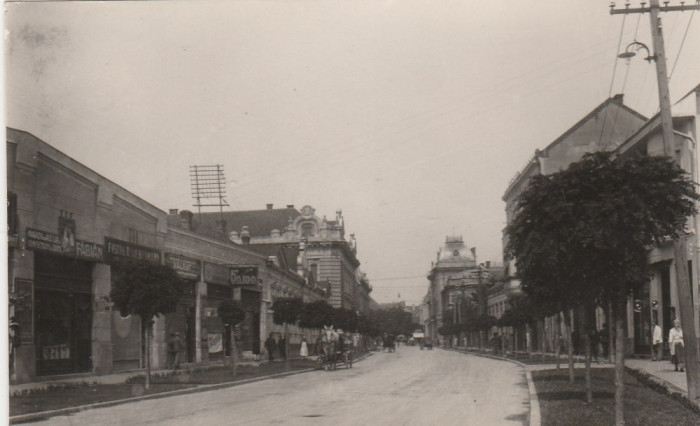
pixel 535 416
pixel 195 389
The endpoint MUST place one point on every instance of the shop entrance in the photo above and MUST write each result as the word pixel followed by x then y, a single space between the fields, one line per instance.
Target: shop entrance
pixel 63 315
pixel 642 320
pixel 250 329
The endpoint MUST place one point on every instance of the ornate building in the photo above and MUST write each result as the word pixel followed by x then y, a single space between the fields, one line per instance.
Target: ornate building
pixel 315 247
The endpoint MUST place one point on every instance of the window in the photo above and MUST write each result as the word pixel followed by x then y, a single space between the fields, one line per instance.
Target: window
pixel 307 230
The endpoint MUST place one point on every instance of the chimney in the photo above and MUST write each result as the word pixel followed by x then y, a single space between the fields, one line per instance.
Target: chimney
pixel 290 206
pixel 269 206
pixel 619 98
pixel 186 219
pixel 245 236
pixel 173 218
pixel 488 264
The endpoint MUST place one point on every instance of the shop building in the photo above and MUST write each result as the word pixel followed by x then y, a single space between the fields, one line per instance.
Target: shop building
pixel 68 226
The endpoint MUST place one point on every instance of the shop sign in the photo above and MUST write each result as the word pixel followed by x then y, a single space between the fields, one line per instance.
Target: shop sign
pixel 244 276
pixel 216 274
pixel 46 241
pixel 185 267
pixel 116 250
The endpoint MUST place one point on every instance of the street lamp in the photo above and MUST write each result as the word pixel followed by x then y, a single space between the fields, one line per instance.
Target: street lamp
pixel 636 46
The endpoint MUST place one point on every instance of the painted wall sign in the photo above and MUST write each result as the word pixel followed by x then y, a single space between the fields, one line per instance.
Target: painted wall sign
pixel 46 241
pixel 116 250
pixel 244 276
pixel 216 274
pixel 186 267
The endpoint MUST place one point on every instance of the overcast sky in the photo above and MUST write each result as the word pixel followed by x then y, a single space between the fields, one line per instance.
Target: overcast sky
pixel 410 116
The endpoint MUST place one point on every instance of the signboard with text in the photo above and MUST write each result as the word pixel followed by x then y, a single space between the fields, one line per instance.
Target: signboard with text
pixel 244 276
pixel 116 250
pixel 46 241
pixel 185 267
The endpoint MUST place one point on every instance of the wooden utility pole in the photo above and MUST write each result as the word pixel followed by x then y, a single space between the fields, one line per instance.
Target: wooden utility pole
pixel 685 296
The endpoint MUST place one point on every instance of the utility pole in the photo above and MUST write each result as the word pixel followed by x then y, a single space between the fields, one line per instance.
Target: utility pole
pixel 685 296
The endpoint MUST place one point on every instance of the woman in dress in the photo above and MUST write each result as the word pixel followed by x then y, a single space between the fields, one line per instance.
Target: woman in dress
pixel 304 351
pixel 675 343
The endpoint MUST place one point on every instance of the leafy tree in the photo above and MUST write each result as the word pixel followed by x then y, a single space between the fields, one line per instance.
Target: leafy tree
pixel 580 236
pixel 148 290
pixel 231 313
pixel 316 314
pixel 287 310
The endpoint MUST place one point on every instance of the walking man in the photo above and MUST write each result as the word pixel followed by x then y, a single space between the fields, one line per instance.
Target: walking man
pixel 657 342
pixel 175 346
pixel 270 346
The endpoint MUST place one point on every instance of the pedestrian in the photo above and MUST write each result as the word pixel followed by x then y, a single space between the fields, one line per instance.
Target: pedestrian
pixel 594 337
pixel 675 343
pixel 604 337
pixel 282 344
pixel 304 351
pixel 318 346
pixel 657 341
pixel 270 345
pixel 175 346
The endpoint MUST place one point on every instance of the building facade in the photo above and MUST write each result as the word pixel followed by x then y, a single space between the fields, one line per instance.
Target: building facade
pixel 69 229
pixel 299 240
pixel 605 128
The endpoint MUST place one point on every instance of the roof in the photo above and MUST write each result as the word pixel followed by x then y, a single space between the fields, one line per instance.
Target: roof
pixel 285 253
pixel 259 222
pixel 615 100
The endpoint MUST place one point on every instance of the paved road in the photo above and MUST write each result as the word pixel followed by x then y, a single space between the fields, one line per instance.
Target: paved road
pixel 407 387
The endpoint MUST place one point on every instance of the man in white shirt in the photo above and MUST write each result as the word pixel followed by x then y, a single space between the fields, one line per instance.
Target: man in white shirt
pixel 657 342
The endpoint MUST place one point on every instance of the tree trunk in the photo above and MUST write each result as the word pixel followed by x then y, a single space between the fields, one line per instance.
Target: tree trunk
pixel 587 343
pixel 149 328
pixel 566 316
pixel 557 340
pixel 611 338
pixel 528 341
pixel 286 347
pixel 234 354
pixel 619 360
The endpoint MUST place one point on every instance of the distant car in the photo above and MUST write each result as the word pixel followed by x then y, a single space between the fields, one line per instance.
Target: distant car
pixel 401 338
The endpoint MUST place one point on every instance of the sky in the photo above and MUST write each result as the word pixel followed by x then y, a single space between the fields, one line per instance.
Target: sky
pixel 409 116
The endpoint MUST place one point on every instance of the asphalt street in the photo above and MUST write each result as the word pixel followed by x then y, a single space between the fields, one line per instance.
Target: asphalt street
pixel 407 387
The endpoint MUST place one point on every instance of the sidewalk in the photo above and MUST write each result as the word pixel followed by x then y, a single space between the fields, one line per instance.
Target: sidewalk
pixel 663 370
pixel 117 378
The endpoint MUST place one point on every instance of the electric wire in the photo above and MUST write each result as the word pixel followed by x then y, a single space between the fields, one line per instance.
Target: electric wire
pixel 612 78
pixel 680 48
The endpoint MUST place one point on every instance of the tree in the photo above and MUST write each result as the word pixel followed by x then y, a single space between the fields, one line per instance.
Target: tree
pixel 148 290
pixel 580 236
pixel 231 313
pixel 287 310
pixel 316 314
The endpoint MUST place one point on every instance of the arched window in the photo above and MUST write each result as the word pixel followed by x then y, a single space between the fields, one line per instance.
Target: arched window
pixel 307 230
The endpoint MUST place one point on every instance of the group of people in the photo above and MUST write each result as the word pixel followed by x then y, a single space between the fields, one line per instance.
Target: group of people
pixel 273 345
pixel 675 344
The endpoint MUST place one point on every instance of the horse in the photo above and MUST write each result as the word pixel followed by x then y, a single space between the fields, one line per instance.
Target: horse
pixel 328 347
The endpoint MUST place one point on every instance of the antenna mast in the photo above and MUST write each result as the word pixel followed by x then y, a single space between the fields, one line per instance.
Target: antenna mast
pixel 208 182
